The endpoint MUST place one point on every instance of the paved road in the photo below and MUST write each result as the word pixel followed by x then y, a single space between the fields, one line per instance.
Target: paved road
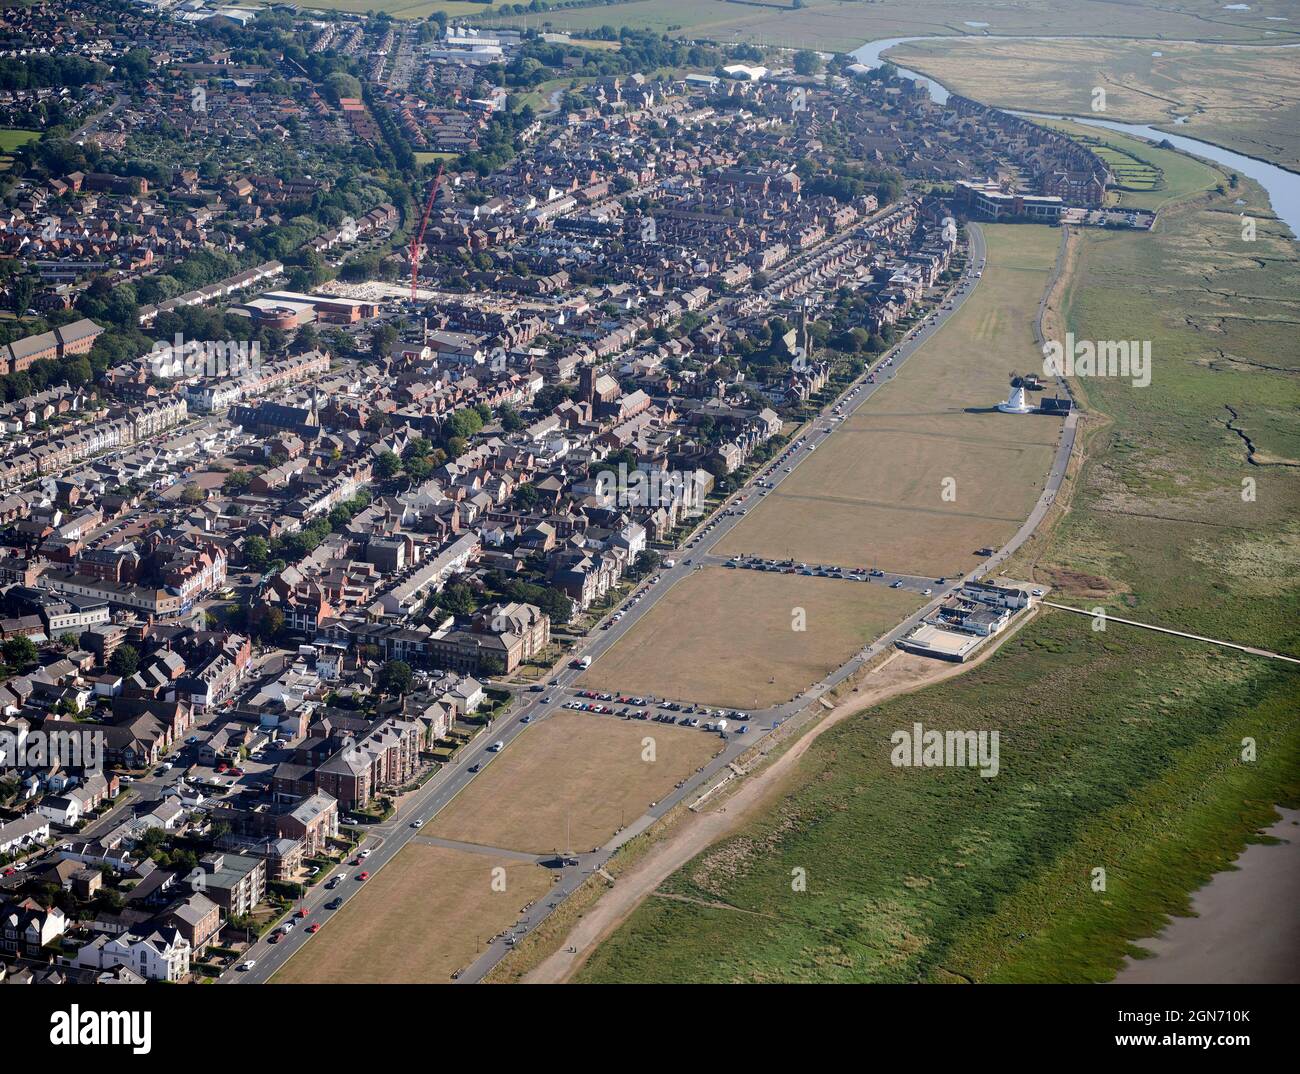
pixel 386 840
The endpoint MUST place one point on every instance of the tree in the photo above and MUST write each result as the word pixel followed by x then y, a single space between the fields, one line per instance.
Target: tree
pixel 341 84
pixel 256 551
pixel 526 496
pixel 382 341
pixel 646 561
pixel 21 293
pixel 269 623
pixel 511 422
pixel 387 465
pixel 124 661
pixel 807 62
pixel 419 467
pixel 395 677
pixel 236 482
pixel 19 651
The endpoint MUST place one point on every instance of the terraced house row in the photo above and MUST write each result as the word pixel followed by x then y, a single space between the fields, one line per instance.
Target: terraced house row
pixel 141 423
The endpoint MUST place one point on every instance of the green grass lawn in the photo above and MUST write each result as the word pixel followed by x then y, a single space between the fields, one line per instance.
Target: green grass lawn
pixel 1167 176
pixel 1120 754
pixel 845 24
pixel 11 138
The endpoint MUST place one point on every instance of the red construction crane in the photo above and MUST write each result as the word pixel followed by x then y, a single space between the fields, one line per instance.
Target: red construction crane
pixel 417 241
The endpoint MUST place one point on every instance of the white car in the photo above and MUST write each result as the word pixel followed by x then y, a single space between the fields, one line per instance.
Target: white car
pixel 244 967
pixel 417 824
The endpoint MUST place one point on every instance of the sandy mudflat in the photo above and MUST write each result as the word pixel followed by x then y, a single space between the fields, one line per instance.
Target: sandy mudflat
pixel 1247 930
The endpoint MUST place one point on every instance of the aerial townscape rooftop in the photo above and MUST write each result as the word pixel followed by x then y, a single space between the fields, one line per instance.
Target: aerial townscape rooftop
pixel 637 492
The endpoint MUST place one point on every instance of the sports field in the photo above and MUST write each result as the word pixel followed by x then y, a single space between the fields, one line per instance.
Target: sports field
pixel 421 918
pixel 13 137
pixel 569 782
pixel 927 471
pixel 725 637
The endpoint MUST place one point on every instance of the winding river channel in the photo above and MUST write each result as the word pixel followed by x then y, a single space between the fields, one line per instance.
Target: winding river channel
pixel 1282 186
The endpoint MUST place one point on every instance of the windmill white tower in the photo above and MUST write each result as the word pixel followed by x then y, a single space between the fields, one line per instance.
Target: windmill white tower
pixel 1017 402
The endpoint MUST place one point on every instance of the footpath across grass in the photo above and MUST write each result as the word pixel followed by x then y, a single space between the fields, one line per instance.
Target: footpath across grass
pixel 1121 750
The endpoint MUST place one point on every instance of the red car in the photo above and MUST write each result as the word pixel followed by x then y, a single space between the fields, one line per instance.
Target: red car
pixel 356 861
pixel 303 912
pixel 363 876
pixel 275 937
pixel 314 928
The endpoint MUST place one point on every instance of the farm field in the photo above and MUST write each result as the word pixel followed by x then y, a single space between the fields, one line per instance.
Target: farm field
pixel 842 25
pixel 575 773
pixel 874 494
pixel 419 920
pixel 724 637
pixel 1120 749
pixel 401 9
pixel 1243 97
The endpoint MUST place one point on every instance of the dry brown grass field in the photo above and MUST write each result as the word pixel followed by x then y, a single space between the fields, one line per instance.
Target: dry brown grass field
pixel 419 920
pixel 873 494
pixel 725 637
pixel 570 781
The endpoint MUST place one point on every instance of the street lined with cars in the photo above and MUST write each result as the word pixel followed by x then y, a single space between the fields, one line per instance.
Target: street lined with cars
pixel 738 729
